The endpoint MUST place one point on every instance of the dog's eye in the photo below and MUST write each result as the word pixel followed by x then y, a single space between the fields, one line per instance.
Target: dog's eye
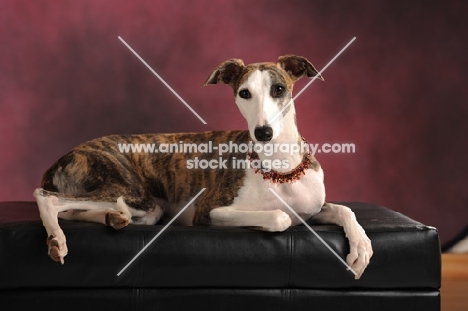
pixel 245 94
pixel 277 91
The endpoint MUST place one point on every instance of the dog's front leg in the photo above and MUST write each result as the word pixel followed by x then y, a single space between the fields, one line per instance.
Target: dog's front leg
pixel 275 220
pixel 359 244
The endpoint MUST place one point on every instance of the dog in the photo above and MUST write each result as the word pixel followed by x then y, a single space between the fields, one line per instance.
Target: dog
pixel 98 182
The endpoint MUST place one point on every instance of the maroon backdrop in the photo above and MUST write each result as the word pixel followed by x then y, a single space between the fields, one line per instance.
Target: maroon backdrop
pixel 397 92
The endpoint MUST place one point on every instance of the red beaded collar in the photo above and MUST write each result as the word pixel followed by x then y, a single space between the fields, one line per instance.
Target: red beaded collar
pixel 289 177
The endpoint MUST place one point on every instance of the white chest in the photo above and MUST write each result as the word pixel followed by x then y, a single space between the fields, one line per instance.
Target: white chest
pixel 306 196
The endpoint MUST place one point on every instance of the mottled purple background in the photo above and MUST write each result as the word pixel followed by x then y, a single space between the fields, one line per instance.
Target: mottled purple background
pixel 398 92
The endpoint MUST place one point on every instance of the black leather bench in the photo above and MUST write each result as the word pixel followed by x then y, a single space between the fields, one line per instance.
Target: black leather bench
pixel 212 268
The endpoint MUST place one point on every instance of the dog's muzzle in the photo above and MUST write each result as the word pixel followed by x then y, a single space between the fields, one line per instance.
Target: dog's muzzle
pixel 263 133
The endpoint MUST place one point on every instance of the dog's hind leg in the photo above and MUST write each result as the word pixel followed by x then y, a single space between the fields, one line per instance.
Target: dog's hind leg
pixel 51 206
pixel 114 215
pixel 90 181
pixel 83 208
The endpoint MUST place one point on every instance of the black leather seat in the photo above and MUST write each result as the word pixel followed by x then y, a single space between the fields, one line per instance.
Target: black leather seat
pixel 213 268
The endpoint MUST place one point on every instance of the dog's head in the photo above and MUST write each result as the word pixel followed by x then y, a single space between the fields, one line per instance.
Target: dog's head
pixel 262 90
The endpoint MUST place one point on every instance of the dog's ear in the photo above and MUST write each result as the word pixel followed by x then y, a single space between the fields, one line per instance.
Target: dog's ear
pixel 227 72
pixel 298 66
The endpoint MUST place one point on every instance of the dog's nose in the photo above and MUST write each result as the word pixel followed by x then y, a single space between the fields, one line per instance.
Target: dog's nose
pixel 263 133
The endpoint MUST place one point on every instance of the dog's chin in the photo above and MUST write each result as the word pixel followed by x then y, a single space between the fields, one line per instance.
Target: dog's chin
pixel 255 141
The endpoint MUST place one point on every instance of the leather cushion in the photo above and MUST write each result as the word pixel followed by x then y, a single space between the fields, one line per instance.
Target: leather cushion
pixel 406 254
pixel 217 299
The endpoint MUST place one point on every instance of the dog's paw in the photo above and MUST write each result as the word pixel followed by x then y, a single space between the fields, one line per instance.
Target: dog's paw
pixel 57 247
pixel 360 251
pixel 117 220
pixel 277 220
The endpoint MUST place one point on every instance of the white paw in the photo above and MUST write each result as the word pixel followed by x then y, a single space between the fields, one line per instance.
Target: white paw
pixel 360 251
pixel 57 246
pixel 123 207
pixel 117 220
pixel 277 220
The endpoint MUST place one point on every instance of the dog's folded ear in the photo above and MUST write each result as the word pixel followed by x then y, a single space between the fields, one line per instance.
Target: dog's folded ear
pixel 227 72
pixel 298 66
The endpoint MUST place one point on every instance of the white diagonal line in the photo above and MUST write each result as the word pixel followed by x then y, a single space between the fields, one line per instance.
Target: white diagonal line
pixel 313 231
pixel 311 81
pixel 160 232
pixel 162 80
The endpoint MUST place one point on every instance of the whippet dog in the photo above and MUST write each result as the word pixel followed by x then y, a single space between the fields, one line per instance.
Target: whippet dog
pixel 99 182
